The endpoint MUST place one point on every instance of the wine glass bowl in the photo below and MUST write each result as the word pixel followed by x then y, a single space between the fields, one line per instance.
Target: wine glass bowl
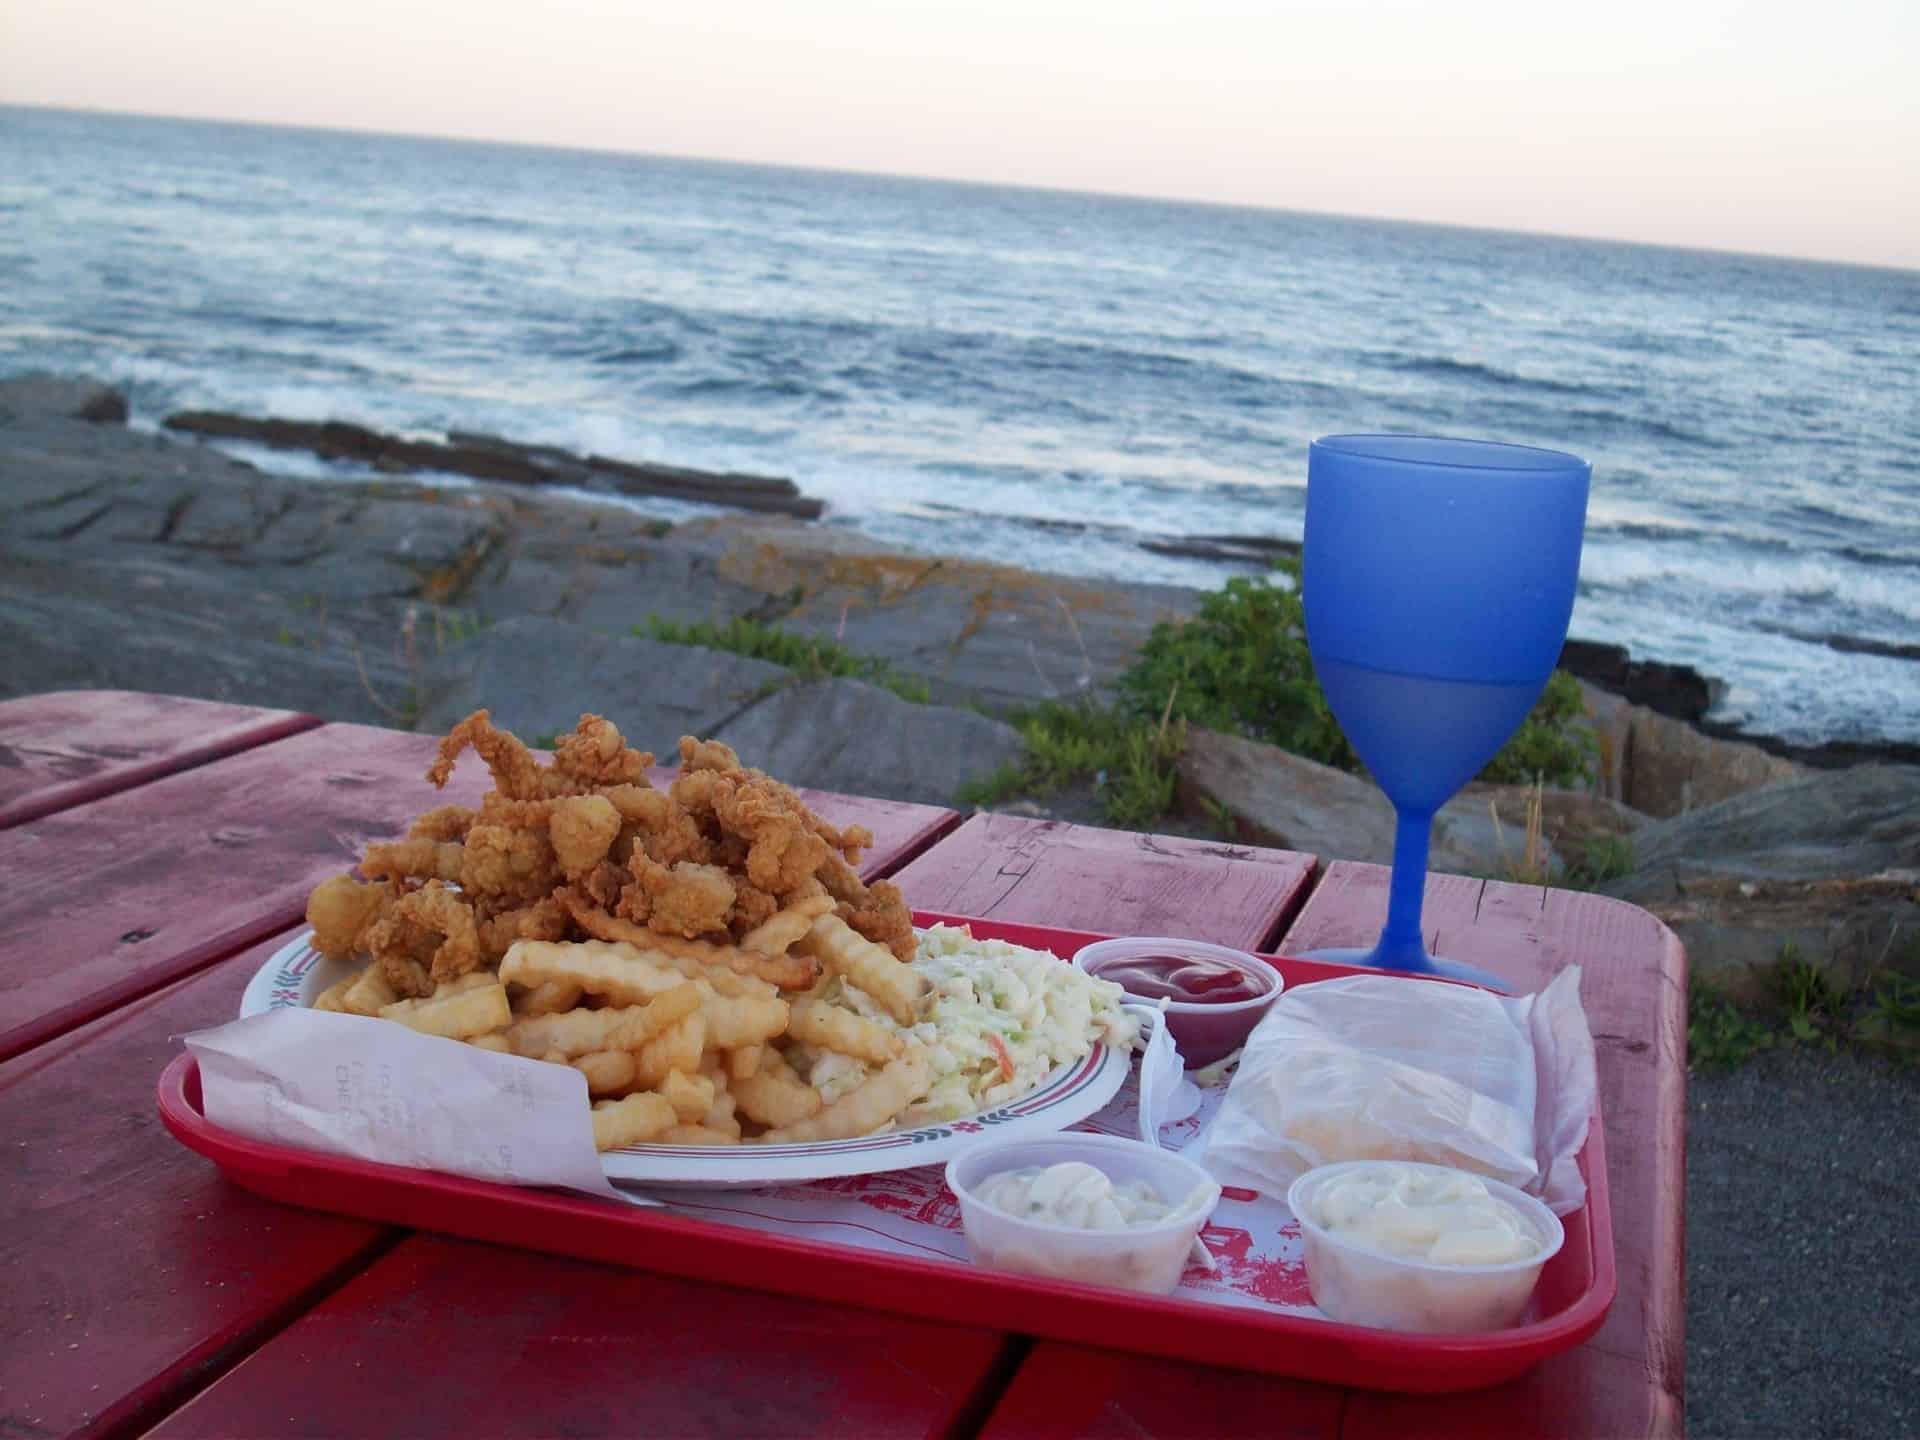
pixel 1437 578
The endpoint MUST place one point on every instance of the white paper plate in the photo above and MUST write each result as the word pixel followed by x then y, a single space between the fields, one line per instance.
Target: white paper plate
pixel 296 973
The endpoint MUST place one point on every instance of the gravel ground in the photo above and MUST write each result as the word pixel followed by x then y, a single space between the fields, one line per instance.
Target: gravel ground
pixel 1803 1248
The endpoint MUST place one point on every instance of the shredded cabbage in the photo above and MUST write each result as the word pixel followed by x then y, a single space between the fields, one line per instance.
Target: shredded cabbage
pixel 1042 1011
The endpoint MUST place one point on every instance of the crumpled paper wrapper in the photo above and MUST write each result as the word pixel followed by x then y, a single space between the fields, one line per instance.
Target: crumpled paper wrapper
pixel 372 1090
pixel 1387 1067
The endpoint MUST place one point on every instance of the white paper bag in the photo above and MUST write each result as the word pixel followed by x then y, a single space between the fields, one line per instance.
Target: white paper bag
pixel 1384 1067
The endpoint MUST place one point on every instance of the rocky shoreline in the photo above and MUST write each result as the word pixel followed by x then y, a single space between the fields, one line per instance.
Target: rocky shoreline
pixel 146 561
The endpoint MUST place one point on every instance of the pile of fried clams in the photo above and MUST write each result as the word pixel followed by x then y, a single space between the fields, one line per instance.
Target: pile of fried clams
pixel 585 848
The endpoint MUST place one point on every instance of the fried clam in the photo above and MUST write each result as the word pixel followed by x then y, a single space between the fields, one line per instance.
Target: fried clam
pixel 595 755
pixel 582 829
pixel 342 910
pixel 686 899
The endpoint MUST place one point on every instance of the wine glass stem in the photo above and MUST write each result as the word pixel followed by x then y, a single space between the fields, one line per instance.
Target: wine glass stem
pixel 1400 945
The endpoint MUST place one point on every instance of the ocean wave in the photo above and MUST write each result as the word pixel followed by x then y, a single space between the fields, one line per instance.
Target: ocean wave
pixel 1741 576
pixel 664 352
pixel 1442 367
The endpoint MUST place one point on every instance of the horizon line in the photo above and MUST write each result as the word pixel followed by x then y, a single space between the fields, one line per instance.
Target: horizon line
pixel 1146 197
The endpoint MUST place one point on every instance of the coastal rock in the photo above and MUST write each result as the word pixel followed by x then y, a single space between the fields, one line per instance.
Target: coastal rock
pixel 978 632
pixel 489 457
pixel 1676 690
pixel 849 736
pixel 145 623
pixel 537 677
pixel 1671 768
pixel 1827 864
pixel 1276 798
pixel 40 396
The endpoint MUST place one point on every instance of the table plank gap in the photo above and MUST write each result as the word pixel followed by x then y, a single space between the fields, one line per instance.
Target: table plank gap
pixel 1079 1392
pixel 140 1411
pixel 970 1420
pixel 1046 872
pixel 68 748
pixel 84 1011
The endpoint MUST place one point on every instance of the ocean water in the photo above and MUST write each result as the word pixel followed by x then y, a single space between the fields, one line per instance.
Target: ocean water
pixel 1040 377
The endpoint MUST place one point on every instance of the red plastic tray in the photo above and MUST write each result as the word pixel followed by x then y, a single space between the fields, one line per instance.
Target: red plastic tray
pixel 1576 1286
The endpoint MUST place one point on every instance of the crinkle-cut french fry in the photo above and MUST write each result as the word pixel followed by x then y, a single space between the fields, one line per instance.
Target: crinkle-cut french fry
pixel 457 1016
pixel 632 1121
pixel 743 1020
pixel 778 932
pixel 370 993
pixel 716 978
pixel 695 1135
pixel 676 1049
pixel 555 1057
pixel 495 1042
pixel 865 1108
pixel 721 1114
pixel 788 971
pixel 612 969
pixel 608 1072
pixel 333 998
pixel 549 997
pixel 774 1095
pixel 896 987
pixel 624 1027
pixel 743 1060
pixel 460 984
pixel 827 1026
pixel 690 1095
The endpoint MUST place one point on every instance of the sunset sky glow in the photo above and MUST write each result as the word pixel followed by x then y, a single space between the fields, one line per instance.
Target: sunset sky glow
pixel 1782 128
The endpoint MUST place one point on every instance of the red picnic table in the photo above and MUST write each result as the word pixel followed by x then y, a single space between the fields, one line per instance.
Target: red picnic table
pixel 156 850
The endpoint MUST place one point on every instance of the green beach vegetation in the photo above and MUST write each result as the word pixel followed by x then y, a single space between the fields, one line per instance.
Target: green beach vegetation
pixel 1241 666
pixel 1802 1004
pixel 808 656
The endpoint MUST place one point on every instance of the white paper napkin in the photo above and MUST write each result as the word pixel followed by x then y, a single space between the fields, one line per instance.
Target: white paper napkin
pixel 372 1090
pixel 1167 1096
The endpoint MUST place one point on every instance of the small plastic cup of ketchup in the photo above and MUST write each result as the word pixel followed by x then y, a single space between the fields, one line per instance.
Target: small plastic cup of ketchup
pixel 1212 995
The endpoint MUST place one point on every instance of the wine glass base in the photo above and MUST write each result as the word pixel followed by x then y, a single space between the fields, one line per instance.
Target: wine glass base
pixel 1421 964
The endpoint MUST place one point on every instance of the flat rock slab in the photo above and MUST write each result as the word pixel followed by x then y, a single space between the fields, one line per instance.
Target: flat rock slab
pixel 538 676
pixel 849 736
pixel 43 396
pixel 976 631
pixel 1825 868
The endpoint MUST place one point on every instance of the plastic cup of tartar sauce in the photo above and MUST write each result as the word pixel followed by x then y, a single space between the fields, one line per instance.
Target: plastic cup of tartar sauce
pixel 1147 1257
pixel 1355 1277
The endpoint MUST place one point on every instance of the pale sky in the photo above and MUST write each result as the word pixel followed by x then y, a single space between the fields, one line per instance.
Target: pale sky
pixel 1787 128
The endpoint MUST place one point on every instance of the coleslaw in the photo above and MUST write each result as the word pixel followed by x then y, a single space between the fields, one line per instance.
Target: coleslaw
pixel 1000 1017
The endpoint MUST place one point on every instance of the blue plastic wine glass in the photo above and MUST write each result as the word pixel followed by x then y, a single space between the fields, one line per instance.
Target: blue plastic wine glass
pixel 1438 578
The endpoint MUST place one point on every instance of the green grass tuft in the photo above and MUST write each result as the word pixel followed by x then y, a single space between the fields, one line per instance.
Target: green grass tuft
pixel 807 656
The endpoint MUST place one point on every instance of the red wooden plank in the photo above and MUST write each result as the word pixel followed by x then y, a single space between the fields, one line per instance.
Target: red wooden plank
pixel 64 749
pixel 1074 1391
pixel 116 898
pixel 132 1268
pixel 1117 882
pixel 452 1337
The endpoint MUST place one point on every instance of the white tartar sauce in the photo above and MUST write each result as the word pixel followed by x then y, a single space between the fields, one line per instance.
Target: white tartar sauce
pixel 1074 1194
pixel 1445 1218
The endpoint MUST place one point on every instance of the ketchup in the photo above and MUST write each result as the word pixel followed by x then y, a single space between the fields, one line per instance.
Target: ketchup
pixel 1190 979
